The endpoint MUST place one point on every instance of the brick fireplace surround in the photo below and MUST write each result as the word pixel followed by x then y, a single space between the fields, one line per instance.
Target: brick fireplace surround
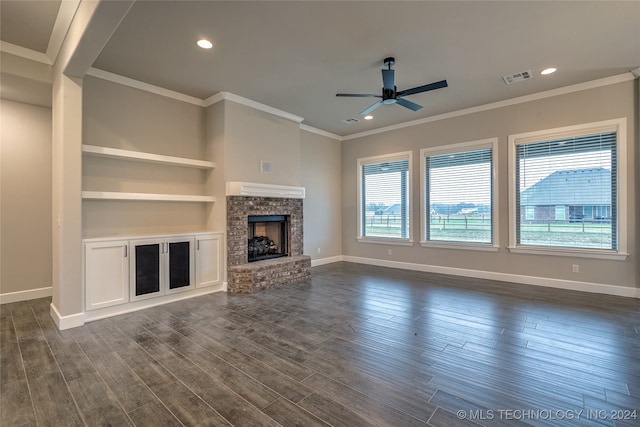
pixel 245 277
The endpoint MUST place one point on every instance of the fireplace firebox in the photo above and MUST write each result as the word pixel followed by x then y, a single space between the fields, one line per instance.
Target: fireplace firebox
pixel 268 237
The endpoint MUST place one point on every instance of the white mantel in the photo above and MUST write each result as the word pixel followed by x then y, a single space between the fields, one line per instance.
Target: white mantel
pixel 237 188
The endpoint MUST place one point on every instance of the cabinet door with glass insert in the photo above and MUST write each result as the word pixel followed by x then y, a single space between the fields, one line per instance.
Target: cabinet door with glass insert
pixel 179 265
pixel 146 268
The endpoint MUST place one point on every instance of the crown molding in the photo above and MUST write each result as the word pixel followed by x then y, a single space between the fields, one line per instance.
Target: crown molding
pixel 493 105
pixel 23 52
pixel 250 103
pixel 320 132
pixel 66 12
pixel 137 84
pixel 213 99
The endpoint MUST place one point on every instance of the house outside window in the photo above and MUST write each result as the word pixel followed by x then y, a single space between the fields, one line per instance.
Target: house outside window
pixel 530 213
pixel 458 195
pixel 384 194
pixel 568 190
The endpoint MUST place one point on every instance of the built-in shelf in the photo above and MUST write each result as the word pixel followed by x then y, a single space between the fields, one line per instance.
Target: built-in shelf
pixel 115 195
pixel 138 156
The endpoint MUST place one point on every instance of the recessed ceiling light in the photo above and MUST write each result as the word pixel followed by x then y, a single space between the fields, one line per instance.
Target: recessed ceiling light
pixel 205 44
pixel 369 117
pixel 548 71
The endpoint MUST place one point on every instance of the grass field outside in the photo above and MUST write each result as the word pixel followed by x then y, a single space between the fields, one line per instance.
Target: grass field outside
pixel 477 229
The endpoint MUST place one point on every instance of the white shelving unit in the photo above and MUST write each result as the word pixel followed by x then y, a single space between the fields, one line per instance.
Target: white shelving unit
pixel 138 156
pixel 115 195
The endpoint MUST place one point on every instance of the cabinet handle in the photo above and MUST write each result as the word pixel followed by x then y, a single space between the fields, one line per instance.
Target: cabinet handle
pixel 126 251
pixel 197 245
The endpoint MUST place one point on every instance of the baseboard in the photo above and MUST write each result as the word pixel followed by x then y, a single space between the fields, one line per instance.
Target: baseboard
pixel 66 322
pixel 598 288
pixel 79 319
pixel 323 261
pixel 25 295
pixel 103 313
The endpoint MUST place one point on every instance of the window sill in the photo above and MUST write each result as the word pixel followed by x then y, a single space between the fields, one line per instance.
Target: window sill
pixel 594 254
pixel 385 241
pixel 460 246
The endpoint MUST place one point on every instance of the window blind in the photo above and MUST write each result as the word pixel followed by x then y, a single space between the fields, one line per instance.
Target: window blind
pixel 458 187
pixel 385 199
pixel 566 192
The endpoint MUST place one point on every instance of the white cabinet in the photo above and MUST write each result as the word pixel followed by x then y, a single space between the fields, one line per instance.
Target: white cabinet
pixel 106 274
pixel 208 260
pixel 161 266
pixel 126 273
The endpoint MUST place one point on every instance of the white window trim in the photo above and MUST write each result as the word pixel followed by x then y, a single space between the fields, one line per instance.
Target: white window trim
pixel 456 148
pixel 394 241
pixel 617 125
pixel 404 155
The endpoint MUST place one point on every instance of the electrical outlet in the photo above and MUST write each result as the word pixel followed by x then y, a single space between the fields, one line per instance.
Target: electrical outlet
pixel 575 268
pixel 318 250
pixel 389 252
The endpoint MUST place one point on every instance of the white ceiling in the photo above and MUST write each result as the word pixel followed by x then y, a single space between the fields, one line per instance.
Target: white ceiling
pixel 296 55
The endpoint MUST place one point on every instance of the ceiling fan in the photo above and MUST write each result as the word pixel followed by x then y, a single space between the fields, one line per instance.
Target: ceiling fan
pixel 390 94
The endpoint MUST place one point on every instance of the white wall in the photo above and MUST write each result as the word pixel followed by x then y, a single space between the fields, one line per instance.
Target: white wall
pixel 25 195
pixel 123 117
pixel 251 136
pixel 608 102
pixel 322 179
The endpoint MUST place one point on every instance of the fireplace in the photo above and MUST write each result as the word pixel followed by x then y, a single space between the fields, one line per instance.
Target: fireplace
pixel 280 219
pixel 268 237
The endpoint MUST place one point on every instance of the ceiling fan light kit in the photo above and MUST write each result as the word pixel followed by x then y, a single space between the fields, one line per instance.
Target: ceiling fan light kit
pixel 390 94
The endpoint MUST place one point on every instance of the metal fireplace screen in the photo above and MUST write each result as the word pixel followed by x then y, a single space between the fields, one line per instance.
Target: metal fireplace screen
pixel 268 237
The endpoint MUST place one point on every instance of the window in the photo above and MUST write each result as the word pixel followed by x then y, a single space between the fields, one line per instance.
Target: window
pixel 568 190
pixel 458 194
pixel 384 193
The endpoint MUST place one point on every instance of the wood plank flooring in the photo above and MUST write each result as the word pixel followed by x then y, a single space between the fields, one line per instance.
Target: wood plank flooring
pixel 356 345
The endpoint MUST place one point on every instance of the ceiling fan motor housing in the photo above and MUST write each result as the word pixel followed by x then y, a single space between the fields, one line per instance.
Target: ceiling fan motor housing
pixel 388 94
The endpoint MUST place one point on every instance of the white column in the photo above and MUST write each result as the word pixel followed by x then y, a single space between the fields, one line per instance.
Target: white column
pixel 67 308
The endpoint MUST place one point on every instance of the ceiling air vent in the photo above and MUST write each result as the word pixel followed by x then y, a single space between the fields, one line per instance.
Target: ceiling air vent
pixel 351 120
pixel 517 77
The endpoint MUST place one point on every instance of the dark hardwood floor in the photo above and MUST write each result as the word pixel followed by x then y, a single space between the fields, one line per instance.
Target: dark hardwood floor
pixel 356 345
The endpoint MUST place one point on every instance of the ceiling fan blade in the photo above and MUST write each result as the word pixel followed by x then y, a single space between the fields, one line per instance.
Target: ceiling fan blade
pixel 408 104
pixel 359 95
pixel 425 88
pixel 370 109
pixel 388 77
